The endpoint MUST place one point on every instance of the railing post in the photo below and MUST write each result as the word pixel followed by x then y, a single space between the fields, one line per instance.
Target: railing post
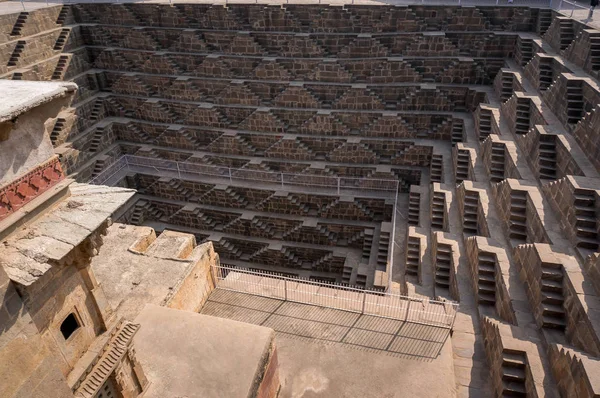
pixel 281 179
pixel 285 288
pixel 364 301
pixel 338 185
pixel 213 270
pixel 178 171
pixel 407 310
pixel 230 179
pixel 455 309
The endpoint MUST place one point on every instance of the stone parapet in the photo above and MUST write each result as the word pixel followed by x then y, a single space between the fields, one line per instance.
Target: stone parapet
pixel 592 269
pixel 576 373
pixel 559 297
pixel 576 202
pixel 553 154
pixel 585 133
pixel 515 362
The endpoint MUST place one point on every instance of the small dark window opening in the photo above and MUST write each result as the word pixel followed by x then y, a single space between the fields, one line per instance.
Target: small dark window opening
pixel 69 326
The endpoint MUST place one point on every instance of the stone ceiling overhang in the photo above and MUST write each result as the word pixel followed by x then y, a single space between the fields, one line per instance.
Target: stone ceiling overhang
pixel 18 97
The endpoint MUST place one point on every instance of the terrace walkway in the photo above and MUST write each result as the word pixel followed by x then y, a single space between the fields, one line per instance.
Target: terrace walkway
pixel 324 352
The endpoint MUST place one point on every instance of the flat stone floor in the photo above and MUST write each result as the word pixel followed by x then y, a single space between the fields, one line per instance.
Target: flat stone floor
pixel 331 353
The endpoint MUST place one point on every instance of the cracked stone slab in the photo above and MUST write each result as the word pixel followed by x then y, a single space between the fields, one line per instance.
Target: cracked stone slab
pixel 42 248
pixel 53 236
pixel 21 268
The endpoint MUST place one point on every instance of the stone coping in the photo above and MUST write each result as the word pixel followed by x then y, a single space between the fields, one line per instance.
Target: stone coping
pixel 20 96
pixel 27 255
pixel 185 354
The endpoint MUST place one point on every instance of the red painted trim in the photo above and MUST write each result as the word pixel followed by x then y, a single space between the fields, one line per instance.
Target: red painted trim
pixel 24 189
pixel 269 386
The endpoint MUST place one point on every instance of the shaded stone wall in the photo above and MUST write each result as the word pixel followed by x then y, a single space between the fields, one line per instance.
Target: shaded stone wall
pixel 38 372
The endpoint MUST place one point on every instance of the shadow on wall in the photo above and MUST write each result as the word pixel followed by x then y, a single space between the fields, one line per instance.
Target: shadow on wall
pixel 11 306
pixel 28 144
pixel 375 334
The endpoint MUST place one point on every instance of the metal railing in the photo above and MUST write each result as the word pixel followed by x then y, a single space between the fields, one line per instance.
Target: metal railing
pixel 109 173
pixel 215 174
pixel 340 297
pixel 185 170
pixel 565 5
